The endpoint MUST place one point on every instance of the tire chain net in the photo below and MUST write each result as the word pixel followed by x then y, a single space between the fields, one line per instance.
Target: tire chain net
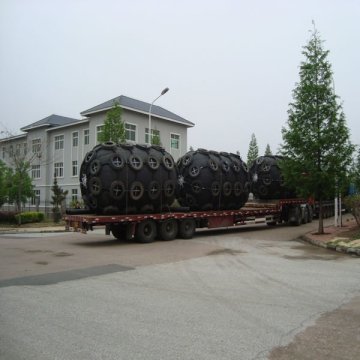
pixel 210 180
pixel 128 179
pixel 266 179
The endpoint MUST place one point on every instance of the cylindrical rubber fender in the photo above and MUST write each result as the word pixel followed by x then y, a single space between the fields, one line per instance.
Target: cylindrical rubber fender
pixel 207 180
pixel 267 181
pixel 127 178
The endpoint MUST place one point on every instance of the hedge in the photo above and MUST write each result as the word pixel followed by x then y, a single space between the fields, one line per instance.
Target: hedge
pixel 30 217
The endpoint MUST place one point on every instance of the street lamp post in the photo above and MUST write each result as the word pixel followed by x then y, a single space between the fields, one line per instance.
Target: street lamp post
pixel 162 93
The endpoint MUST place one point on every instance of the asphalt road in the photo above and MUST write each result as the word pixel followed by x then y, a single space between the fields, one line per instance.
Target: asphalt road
pixel 246 294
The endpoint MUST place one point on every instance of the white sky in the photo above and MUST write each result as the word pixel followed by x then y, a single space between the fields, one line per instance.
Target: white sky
pixel 231 66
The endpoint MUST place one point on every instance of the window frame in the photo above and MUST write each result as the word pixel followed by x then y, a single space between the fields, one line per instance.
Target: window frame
pixel 36 145
pixel 59 143
pixel 99 130
pixel 178 141
pixel 59 169
pixel 86 133
pixel 75 138
pixel 35 172
pixel 73 167
pixel 37 194
pixel 74 194
pixel 134 131
pixel 153 133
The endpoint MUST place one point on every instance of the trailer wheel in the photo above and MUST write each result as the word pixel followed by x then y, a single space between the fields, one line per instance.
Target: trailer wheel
pixel 305 217
pixel 168 229
pixel 295 216
pixel 121 231
pixel 310 213
pixel 145 231
pixel 187 228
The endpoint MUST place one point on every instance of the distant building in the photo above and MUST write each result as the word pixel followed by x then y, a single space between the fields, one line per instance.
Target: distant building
pixel 56 145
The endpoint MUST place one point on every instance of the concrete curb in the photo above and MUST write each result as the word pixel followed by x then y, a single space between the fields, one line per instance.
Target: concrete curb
pixel 328 245
pixel 32 231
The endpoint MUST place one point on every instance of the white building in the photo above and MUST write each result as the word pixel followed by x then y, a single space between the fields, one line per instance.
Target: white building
pixel 57 145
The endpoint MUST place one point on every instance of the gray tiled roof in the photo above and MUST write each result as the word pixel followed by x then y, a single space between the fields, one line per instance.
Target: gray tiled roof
pixel 51 121
pixel 137 105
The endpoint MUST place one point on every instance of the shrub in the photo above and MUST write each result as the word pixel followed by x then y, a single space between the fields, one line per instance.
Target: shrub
pixel 8 216
pixel 29 217
pixel 352 203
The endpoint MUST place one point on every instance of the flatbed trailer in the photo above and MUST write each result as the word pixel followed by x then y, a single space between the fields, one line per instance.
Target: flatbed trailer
pixel 183 223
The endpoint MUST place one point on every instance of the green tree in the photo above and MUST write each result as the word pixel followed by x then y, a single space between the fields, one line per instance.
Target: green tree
pixel 20 184
pixel 155 138
pixel 316 144
pixel 58 197
pixel 268 150
pixel 253 151
pixel 114 128
pixel 4 183
pixel 355 172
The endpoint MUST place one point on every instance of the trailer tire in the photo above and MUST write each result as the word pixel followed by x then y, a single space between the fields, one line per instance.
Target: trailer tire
pixel 311 214
pixel 296 215
pixel 121 232
pixel 305 217
pixel 168 229
pixel 187 228
pixel 145 231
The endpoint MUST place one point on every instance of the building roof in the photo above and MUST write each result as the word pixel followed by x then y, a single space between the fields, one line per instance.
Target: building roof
pixel 138 106
pixel 50 121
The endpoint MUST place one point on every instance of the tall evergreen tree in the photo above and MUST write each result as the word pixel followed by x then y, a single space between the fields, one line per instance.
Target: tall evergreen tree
pixel 268 150
pixel 355 173
pixel 114 128
pixel 253 151
pixel 316 146
pixel 58 197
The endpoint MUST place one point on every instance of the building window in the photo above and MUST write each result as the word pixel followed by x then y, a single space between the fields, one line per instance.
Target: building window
pixel 35 171
pixel 36 145
pixel 59 142
pixel 11 151
pixel 154 133
pixel 74 168
pixel 75 139
pixel 130 132
pixel 36 198
pixel 174 141
pixel 3 152
pixel 25 148
pixel 99 130
pixel 86 137
pixel 74 194
pixel 59 169
pixel 17 149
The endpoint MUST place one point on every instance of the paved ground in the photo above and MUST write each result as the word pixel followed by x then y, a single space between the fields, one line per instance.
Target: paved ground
pixel 245 294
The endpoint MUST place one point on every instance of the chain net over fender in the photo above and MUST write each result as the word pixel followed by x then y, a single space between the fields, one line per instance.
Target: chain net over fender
pixel 210 180
pixel 266 179
pixel 128 179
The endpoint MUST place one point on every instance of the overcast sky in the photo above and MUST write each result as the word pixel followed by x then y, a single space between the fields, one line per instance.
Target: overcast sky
pixel 231 66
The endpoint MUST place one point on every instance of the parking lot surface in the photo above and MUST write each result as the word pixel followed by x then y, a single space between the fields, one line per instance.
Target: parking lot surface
pixel 253 293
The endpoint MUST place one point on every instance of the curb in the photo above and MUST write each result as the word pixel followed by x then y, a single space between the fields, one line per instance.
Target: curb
pixel 325 245
pixel 32 231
